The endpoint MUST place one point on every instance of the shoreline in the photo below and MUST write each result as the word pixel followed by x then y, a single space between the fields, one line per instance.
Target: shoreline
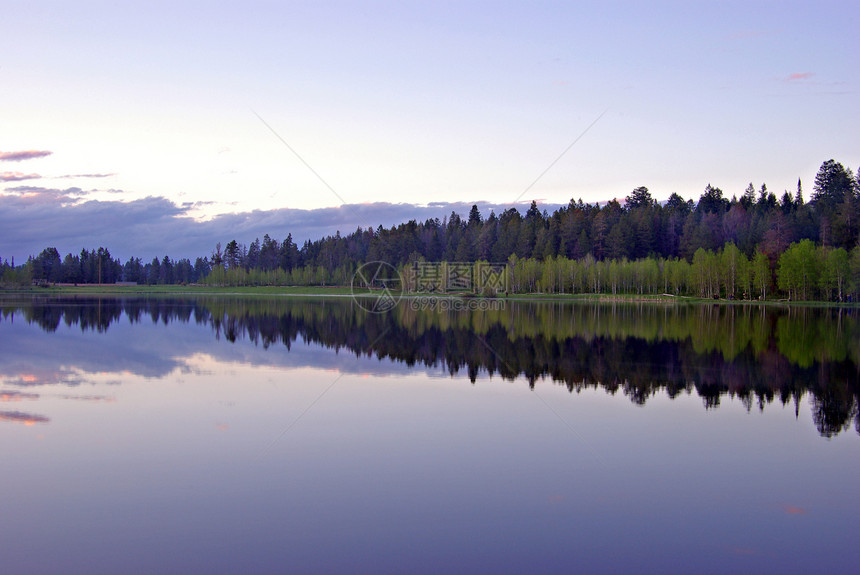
pixel 114 290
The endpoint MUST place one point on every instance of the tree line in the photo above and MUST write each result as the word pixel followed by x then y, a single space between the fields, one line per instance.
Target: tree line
pixel 757 245
pixel 98 266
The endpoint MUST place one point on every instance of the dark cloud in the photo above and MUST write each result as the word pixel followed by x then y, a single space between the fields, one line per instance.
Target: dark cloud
pixel 23 155
pixel 33 218
pixel 17 176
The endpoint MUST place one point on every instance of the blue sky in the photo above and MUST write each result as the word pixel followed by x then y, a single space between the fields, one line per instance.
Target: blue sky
pixel 152 112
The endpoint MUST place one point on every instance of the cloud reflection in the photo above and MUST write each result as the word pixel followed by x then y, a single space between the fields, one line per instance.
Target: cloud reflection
pixel 15 396
pixel 20 417
pixel 43 377
pixel 90 398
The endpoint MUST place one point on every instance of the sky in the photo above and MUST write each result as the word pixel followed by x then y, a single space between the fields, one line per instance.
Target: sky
pixel 163 127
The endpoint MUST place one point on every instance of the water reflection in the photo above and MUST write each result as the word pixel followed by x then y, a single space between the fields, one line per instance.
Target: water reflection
pixel 754 353
pixel 16 396
pixel 25 418
pixel 237 435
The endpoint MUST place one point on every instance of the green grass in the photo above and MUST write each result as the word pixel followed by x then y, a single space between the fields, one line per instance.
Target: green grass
pixel 340 291
pixel 183 290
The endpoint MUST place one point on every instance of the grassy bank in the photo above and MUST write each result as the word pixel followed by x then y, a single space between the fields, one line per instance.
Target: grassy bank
pixel 110 289
pixel 340 291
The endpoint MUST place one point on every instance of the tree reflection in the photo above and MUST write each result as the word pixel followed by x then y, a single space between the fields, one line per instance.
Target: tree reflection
pixel 757 354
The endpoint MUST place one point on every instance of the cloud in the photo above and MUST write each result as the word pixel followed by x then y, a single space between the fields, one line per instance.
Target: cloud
pixel 17 176
pixel 23 155
pixel 108 175
pixel 32 195
pixel 832 88
pixel 33 218
pixel 197 204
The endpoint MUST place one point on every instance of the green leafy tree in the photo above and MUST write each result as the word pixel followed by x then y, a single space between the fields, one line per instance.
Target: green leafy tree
pixel 17 277
pixel 854 273
pixel 761 273
pixel 677 274
pixel 798 270
pixel 733 269
pixel 705 273
pixel 835 272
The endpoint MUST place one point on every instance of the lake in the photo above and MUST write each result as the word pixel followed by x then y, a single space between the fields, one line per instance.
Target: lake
pixel 299 435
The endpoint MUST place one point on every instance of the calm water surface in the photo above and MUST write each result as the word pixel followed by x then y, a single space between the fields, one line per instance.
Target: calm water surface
pixel 224 435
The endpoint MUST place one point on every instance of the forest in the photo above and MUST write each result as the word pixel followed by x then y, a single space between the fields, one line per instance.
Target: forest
pixel 756 246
